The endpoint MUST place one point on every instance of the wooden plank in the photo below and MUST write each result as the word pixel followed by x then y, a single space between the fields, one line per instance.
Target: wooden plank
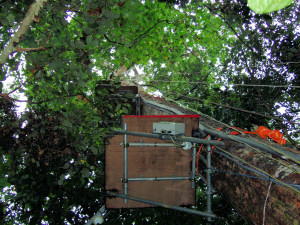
pixel 150 162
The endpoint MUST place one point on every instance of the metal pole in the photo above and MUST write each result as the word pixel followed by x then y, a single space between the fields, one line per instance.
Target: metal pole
pixel 194 166
pixel 182 209
pixel 208 171
pixel 141 144
pixel 167 137
pixel 157 178
pixel 125 180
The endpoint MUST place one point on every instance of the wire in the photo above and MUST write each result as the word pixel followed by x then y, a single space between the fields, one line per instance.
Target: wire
pixel 235 139
pixel 258 169
pixel 219 104
pixel 245 175
pixel 232 137
pixel 240 174
pixel 176 143
pixel 234 108
pixel 207 83
pixel 264 212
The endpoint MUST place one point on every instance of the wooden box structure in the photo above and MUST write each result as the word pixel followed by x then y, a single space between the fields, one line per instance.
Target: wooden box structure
pixel 150 162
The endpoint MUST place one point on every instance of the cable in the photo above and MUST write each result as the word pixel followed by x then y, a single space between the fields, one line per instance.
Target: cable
pixel 249 169
pixel 239 139
pixel 264 212
pixel 242 140
pixel 234 108
pixel 255 169
pixel 224 84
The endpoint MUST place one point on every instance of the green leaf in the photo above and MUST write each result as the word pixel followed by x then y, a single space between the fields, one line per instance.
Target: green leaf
pixel 67 123
pixel 22 90
pixel 267 6
pixel 79 44
pixel 2 76
pixel 67 165
pixel 11 19
pixel 118 107
pixel 71 172
pixel 125 110
pixel 85 172
pixel 4 21
pixel 89 40
pixel 94 150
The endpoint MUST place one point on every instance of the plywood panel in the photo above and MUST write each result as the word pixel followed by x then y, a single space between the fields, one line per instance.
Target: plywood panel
pixel 150 162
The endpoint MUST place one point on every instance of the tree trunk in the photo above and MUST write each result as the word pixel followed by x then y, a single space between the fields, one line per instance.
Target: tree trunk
pixel 33 11
pixel 258 199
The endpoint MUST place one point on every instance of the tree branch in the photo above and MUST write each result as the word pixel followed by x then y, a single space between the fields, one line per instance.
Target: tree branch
pixel 33 11
pixel 5 96
pixel 42 48
pixel 119 43
pixel 20 49
pixel 231 28
pixel 141 35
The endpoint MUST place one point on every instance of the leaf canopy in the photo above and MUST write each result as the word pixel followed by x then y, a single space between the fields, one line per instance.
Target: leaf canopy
pixel 217 58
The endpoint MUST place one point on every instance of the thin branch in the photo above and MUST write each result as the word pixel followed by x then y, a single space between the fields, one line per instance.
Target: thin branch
pixel 20 49
pixel 280 121
pixel 27 80
pixel 119 43
pixel 5 96
pixel 242 110
pixel 21 85
pixel 231 28
pixel 143 34
pixel 33 11
pixel 41 48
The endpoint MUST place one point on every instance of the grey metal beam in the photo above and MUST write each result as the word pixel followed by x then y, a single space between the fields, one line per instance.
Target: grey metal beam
pixel 125 163
pixel 167 137
pixel 194 166
pixel 208 176
pixel 141 144
pixel 182 209
pixel 157 178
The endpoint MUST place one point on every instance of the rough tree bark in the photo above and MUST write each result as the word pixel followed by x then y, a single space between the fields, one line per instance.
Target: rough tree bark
pixel 11 46
pixel 257 201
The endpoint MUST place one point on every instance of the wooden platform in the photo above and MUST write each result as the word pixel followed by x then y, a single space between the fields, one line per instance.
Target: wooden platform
pixel 150 162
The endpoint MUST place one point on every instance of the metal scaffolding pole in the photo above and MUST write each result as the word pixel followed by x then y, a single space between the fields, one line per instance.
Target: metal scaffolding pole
pixel 157 178
pixel 141 144
pixel 182 209
pixel 208 172
pixel 125 180
pixel 193 166
pixel 169 137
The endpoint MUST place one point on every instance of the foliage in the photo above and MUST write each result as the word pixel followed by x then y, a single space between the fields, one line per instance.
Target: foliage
pixel 267 6
pixel 53 154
